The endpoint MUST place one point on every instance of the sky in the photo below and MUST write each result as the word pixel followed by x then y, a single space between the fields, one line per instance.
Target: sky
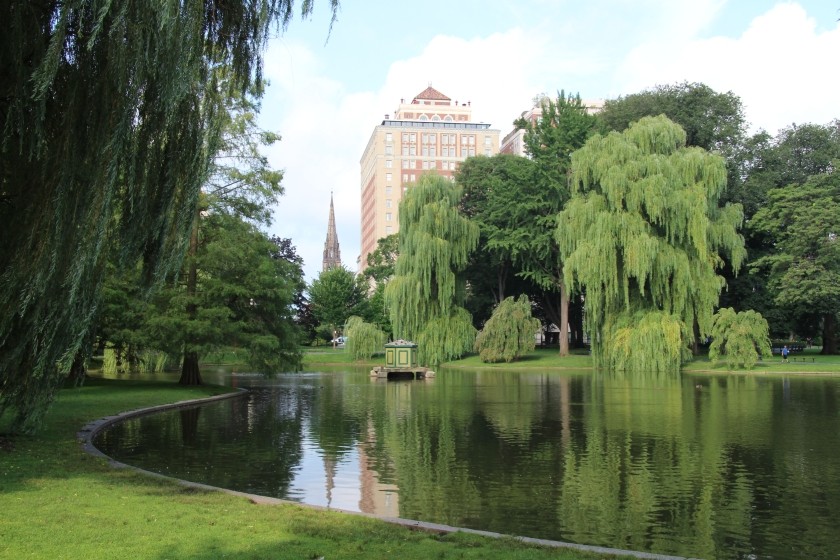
pixel 329 88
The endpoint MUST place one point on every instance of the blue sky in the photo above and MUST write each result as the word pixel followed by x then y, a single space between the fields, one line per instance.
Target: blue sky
pixel 327 93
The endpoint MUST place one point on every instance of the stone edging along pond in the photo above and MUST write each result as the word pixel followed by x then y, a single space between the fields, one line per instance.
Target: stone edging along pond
pixel 89 431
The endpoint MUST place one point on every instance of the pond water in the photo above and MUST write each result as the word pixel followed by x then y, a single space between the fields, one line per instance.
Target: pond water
pixel 707 467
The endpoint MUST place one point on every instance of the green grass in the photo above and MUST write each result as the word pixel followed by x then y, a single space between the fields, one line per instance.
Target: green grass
pixel 59 502
pixel 809 361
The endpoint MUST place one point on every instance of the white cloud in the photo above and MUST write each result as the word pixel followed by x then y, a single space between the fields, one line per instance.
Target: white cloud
pixel 781 67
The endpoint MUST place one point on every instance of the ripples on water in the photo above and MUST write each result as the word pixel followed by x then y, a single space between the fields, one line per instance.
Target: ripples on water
pixel 723 467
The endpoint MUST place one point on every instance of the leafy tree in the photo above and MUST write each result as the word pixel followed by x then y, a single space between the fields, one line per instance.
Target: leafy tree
pixel 509 334
pixel 711 120
pixel 335 295
pixel 363 339
pixel 804 266
pixel 494 189
pixel 381 261
pixel 379 271
pixel 425 297
pixel 515 202
pixel 244 298
pixel 643 235
pixel 109 113
pixel 742 338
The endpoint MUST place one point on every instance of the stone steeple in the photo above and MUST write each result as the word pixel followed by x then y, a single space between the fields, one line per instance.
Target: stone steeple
pixel 332 254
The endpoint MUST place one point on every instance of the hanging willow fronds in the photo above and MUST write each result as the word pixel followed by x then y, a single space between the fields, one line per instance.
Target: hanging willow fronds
pixel 110 113
pixel 426 291
pixel 740 338
pixel 509 333
pixel 644 235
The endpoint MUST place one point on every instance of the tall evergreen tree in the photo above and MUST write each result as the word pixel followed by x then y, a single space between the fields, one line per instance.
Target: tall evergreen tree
pixel 643 235
pixel 426 295
pixel 110 113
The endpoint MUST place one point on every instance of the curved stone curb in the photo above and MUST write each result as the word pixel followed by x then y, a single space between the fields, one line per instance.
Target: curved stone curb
pixel 88 433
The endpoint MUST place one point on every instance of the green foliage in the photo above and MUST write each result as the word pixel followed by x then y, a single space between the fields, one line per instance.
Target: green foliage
pixel 643 233
pixel 363 339
pixel 335 295
pixel 804 263
pixel 509 334
pixel 741 338
pixel 711 120
pixel 110 114
pixel 426 294
pixel 244 299
pixel 380 263
pixel 643 341
pixel 446 338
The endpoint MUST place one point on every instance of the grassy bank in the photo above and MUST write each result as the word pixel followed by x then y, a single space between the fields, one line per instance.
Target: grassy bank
pixel 59 502
pixel 809 361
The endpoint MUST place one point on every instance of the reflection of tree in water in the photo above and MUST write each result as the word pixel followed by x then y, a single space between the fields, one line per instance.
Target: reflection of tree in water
pixel 189 424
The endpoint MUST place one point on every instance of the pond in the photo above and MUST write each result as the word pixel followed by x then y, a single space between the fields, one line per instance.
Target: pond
pixel 707 467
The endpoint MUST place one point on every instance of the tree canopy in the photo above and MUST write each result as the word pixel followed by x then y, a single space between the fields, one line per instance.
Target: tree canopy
pixel 426 295
pixel 643 235
pixel 110 113
pixel 804 264
pixel 336 295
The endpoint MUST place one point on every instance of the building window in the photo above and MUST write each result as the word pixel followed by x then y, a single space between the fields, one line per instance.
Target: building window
pixel 412 137
pixel 387 216
pixel 405 178
pixel 389 163
pixel 387 203
pixel 389 230
pixel 413 177
pixel 425 164
pixel 389 150
pixel 487 151
pixel 388 177
pixel 388 189
pixel 389 137
pixel 405 164
pixel 412 150
pixel 405 136
pixel 487 141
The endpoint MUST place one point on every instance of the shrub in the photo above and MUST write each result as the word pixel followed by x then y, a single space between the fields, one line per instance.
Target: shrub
pixel 509 333
pixel 741 338
pixel 363 339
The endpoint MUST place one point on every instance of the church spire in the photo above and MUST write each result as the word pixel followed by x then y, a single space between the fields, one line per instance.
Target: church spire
pixel 332 254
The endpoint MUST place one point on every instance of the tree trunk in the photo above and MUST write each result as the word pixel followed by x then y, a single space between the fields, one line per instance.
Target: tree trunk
pixel 190 374
pixel 576 322
pixel 78 370
pixel 564 320
pixel 829 334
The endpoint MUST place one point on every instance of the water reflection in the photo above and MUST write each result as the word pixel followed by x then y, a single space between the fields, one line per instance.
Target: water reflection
pixel 717 467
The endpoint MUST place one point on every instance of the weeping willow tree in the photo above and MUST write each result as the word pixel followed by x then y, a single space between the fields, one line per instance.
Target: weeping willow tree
pixel 110 113
pixel 644 235
pixel 509 333
pixel 740 338
pixel 426 295
pixel 363 339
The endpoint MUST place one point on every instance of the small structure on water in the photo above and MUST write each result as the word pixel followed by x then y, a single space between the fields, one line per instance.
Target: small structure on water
pixel 401 362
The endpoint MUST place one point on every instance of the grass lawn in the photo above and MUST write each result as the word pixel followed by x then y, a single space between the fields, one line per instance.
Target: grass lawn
pixel 58 502
pixel 809 361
